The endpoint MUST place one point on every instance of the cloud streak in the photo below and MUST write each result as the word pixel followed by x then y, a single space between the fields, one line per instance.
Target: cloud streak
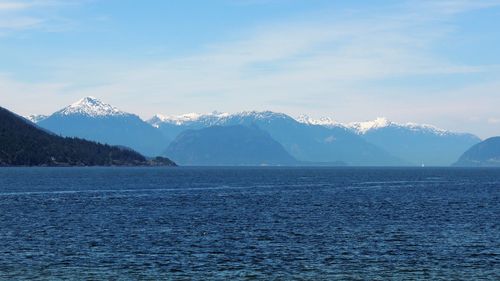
pixel 13 6
pixel 322 64
pixel 18 16
pixel 312 59
pixel 452 7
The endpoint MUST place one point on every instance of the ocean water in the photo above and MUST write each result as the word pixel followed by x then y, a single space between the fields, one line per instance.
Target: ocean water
pixel 249 224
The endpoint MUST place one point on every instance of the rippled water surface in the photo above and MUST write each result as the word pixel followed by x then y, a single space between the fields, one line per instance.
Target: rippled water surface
pixel 249 223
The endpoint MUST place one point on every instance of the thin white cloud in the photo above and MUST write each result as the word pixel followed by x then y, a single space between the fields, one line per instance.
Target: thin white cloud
pixel 22 15
pixel 25 98
pixel 13 17
pixel 318 66
pixel 457 6
pixel 19 23
pixel 294 61
pixel 13 6
pixel 493 120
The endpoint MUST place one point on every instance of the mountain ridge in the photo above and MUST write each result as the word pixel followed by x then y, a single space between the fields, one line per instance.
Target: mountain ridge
pixel 483 154
pixel 376 142
pixel 415 144
pixel 23 143
pixel 360 127
pixel 92 119
pixel 307 143
pixel 93 107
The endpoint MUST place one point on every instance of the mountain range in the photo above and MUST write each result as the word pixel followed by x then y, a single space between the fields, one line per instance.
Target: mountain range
pixel 322 141
pixel 305 142
pixel 24 144
pixel 415 143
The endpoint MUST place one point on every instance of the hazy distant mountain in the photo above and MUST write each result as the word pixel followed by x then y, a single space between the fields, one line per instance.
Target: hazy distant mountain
pixel 172 126
pixel 91 119
pixel 483 154
pixel 305 142
pixel 230 145
pixel 24 144
pixel 414 143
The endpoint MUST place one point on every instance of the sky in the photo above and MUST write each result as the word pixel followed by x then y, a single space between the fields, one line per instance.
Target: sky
pixel 434 62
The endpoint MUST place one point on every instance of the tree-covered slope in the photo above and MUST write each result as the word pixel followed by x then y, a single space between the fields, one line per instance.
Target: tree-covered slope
pixel 483 154
pixel 24 144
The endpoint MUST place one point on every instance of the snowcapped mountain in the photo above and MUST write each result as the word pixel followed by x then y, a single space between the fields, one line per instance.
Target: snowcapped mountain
pixel 210 119
pixel 91 107
pixel 25 144
pixel 381 123
pixel 365 127
pixel 414 143
pixel 305 142
pixel 177 120
pixel 91 119
pixel 325 140
pixel 323 121
pixel 213 119
pixel 172 126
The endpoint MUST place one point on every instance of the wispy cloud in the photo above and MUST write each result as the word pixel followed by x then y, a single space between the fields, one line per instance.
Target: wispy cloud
pixel 13 6
pixel 457 6
pixel 21 15
pixel 322 64
pixel 28 97
pixel 19 23
pixel 493 120
pixel 322 59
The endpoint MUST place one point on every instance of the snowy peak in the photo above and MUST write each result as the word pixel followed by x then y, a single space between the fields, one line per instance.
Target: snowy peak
pixel 363 127
pixel 381 122
pixel 35 118
pixel 180 118
pixel 186 118
pixel 323 121
pixel 91 107
pixel 214 118
pixel 261 115
pixel 360 128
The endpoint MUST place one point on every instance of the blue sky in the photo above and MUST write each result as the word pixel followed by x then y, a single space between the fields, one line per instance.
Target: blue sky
pixel 433 62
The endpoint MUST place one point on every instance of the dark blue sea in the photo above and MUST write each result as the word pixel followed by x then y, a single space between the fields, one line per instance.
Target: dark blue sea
pixel 249 224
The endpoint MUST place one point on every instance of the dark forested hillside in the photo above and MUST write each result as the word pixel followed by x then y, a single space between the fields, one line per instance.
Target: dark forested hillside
pixel 24 144
pixel 483 154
